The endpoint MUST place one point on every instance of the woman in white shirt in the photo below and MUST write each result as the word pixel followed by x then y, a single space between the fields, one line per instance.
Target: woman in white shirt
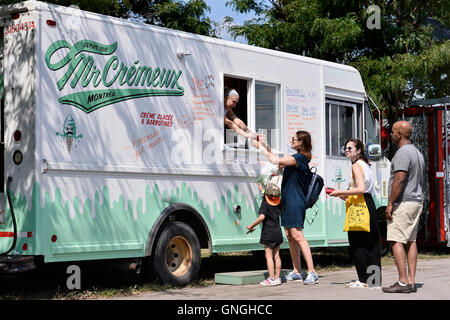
pixel 364 246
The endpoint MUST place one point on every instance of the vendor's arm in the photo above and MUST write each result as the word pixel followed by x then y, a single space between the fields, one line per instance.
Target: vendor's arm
pixel 237 125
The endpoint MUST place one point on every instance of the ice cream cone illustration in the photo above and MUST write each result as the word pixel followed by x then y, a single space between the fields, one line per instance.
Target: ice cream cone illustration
pixel 339 180
pixel 69 132
pixel 69 143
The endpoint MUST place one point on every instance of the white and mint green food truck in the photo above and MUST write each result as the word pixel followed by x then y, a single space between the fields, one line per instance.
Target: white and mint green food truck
pixel 114 146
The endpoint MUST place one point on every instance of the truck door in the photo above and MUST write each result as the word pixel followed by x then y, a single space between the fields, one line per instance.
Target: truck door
pixel 341 124
pixel 371 127
pixel 372 138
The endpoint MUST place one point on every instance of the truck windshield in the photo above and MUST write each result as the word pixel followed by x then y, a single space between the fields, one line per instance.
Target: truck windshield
pixel 371 126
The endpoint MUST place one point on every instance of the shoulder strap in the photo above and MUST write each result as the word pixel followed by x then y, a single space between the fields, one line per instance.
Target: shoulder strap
pixel 351 183
pixel 310 172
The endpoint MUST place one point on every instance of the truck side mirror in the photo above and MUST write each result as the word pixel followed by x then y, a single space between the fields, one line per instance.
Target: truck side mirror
pixel 373 151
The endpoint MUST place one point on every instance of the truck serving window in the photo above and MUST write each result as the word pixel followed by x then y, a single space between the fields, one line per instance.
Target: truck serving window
pixel 264 119
pixel 341 125
pixel 232 139
pixel 268 113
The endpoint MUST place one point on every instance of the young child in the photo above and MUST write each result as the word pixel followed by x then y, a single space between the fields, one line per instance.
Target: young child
pixel 271 236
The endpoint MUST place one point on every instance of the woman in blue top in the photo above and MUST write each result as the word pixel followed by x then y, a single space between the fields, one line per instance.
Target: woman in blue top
pixel 293 203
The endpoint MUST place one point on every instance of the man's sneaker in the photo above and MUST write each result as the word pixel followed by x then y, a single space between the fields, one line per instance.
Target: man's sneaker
pixel 412 287
pixel 311 278
pixel 271 282
pixel 294 276
pixel 397 288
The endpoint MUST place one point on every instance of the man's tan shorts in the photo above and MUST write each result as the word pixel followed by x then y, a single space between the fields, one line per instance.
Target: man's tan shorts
pixel 405 222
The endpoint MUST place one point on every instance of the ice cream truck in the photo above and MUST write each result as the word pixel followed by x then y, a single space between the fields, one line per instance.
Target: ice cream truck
pixel 114 144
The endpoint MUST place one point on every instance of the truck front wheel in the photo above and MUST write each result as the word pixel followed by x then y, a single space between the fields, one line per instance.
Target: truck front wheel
pixel 177 255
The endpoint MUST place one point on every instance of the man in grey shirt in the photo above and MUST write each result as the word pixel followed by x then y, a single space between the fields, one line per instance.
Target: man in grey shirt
pixel 404 206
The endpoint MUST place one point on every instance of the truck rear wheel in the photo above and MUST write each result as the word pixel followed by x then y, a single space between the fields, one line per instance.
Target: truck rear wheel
pixel 177 256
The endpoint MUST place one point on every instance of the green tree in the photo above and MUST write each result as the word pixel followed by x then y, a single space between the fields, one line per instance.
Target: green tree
pixel 188 16
pixel 108 7
pixel 401 60
pixel 182 15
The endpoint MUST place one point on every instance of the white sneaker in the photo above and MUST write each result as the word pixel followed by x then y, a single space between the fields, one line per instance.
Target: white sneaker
pixel 271 282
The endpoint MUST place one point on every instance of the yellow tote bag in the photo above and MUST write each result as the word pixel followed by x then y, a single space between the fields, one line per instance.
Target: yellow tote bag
pixel 357 216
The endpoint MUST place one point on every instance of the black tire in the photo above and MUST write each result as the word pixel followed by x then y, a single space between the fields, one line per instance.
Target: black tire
pixel 259 255
pixel 177 257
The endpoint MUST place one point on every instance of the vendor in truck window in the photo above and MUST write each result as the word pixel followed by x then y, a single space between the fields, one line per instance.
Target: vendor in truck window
pixel 231 120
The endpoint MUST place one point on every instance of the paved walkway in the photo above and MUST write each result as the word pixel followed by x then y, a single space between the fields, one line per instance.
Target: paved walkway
pixel 432 279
